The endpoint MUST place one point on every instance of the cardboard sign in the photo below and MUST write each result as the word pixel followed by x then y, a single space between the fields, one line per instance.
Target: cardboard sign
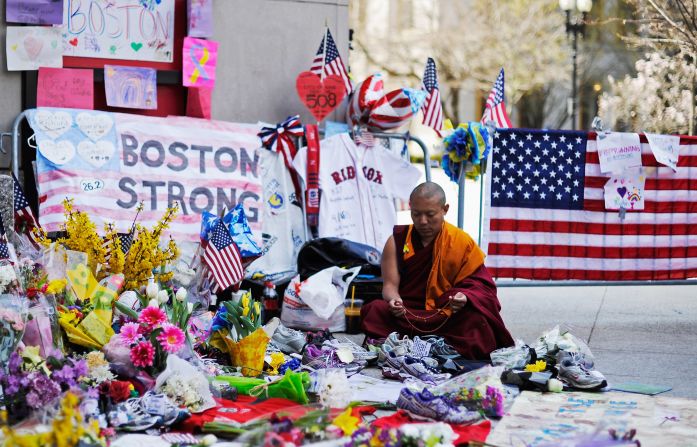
pixel 126 29
pixel 65 87
pixel 130 87
pixel 666 149
pixel 320 97
pixel 618 151
pixel 109 162
pixel 199 60
pixel 36 12
pixel 31 47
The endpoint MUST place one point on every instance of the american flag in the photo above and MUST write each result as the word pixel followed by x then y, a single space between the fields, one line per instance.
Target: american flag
pixel 126 241
pixel 221 256
pixel 432 108
pixel 495 108
pixel 548 219
pixel 24 217
pixel 330 63
pixel 4 251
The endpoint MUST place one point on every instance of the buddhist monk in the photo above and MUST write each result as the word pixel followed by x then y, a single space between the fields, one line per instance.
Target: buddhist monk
pixel 435 283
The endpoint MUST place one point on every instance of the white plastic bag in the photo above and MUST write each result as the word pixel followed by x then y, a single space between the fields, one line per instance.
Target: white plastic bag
pixel 185 385
pixel 326 290
pixel 320 301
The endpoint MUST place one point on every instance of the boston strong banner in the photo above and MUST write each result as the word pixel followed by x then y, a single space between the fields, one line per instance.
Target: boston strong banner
pixel 109 162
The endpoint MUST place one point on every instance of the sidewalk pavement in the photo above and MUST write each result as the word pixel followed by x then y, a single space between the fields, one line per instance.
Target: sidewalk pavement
pixel 645 334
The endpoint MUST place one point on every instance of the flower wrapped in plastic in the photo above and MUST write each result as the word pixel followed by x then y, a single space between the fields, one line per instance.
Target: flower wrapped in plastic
pixel 13 317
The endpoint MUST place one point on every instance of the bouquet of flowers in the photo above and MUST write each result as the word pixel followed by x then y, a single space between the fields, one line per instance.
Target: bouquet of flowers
pixel 437 434
pixel 237 329
pixel 469 143
pixel 13 316
pixel 31 382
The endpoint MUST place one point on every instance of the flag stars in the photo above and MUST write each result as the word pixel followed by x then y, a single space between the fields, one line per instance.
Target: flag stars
pixel 509 194
pixel 575 197
pixel 519 187
pixel 543 195
pixel 527 166
pixel 545 137
pixel 495 194
pixel 528 151
pixel 536 173
pixel 576 183
pixel 544 166
pixel 527 180
pixel 558 196
pixel 511 180
pixel 562 139
pixel 496 165
pixel 521 144
pixel 535 187
pixel 520 158
pixel 526 195
pixel 536 158
pixel 554 145
pixel 496 179
pixel 578 140
pixel 537 144
pixel 545 152
pixel 528 137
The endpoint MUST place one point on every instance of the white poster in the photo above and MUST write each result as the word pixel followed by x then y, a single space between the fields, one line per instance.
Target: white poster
pixel 126 29
pixel 31 47
pixel 626 191
pixel 618 151
pixel 666 149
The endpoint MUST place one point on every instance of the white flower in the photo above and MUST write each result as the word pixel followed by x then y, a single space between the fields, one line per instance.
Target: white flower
pixel 209 440
pixel 151 290
pixel 189 307
pixel 162 296
pixel 181 295
pixel 101 373
pixel 154 303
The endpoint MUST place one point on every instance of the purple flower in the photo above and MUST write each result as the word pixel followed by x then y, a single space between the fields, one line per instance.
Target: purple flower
pixel 12 384
pixel 43 392
pixel 80 368
pixel 14 363
pixel 65 375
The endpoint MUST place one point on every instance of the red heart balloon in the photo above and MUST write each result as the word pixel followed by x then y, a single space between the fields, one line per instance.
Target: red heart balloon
pixel 320 97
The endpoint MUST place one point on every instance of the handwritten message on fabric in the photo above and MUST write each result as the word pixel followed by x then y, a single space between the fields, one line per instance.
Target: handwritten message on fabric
pixel 130 87
pixel 109 162
pixel 65 87
pixel 199 60
pixel 31 47
pixel 128 29
pixel 625 190
pixel 618 151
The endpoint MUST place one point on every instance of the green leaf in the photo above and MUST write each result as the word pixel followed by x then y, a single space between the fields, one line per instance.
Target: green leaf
pixel 126 310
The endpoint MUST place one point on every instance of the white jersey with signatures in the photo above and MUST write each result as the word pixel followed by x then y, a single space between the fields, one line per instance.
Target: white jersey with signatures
pixel 358 185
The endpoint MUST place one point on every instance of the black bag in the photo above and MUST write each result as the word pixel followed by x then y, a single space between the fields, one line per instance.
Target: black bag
pixel 319 254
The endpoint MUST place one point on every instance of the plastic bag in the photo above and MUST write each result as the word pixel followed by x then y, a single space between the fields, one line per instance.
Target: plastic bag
pixel 42 328
pixel 13 317
pixel 513 357
pixel 185 385
pixel 323 292
pixel 555 340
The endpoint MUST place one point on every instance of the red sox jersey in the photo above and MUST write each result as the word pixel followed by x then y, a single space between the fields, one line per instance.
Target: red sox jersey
pixel 358 185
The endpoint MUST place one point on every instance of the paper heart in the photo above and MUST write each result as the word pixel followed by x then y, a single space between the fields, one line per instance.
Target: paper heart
pixel 73 42
pixel 53 124
pixel 57 153
pixel 622 191
pixel 94 125
pixel 136 46
pixel 33 47
pixel 320 97
pixel 97 154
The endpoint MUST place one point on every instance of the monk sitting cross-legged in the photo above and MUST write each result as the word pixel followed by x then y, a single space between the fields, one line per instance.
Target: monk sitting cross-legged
pixel 435 283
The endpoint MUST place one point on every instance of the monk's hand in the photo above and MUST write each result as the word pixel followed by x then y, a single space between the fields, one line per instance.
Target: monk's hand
pixel 458 301
pixel 396 307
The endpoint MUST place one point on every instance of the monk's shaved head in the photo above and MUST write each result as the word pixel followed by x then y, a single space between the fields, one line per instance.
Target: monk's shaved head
pixel 428 190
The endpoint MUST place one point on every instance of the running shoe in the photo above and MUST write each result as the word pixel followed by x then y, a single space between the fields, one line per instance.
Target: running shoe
pixel 289 341
pixel 424 405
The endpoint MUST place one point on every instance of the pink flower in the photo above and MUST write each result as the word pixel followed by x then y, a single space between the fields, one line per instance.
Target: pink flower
pixel 130 333
pixel 171 338
pixel 142 354
pixel 152 316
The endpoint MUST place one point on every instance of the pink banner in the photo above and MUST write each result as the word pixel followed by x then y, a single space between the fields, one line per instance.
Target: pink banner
pixel 199 61
pixel 65 87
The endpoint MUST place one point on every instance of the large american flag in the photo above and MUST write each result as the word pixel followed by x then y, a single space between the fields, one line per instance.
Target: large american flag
pixel 547 217
pixel 495 108
pixel 432 108
pixel 221 256
pixel 330 63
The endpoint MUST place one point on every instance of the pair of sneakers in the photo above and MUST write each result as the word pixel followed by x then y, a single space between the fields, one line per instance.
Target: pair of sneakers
pixel 327 357
pixel 425 405
pixel 576 370
pixel 406 366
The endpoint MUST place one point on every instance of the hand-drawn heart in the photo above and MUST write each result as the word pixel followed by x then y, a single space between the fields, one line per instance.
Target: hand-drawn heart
pixel 73 42
pixel 320 97
pixel 136 46
pixel 53 124
pixel 94 125
pixel 33 47
pixel 57 153
pixel 97 154
pixel 622 191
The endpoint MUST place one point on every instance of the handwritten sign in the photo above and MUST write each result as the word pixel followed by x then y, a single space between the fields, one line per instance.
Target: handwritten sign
pixel 320 96
pixel 130 87
pixel 666 149
pixel 128 29
pixel 199 60
pixel 618 151
pixel 200 18
pixel 36 12
pixel 65 87
pixel 31 47
pixel 625 190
